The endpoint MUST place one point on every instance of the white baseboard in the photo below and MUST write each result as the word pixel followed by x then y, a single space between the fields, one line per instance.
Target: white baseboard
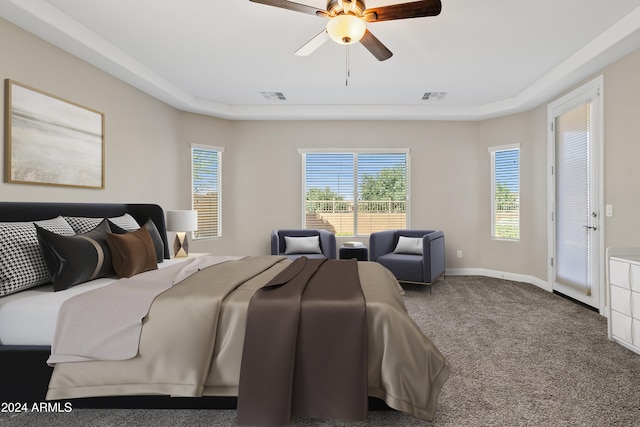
pixel 500 275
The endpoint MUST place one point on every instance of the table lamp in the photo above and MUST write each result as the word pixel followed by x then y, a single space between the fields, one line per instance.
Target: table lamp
pixel 181 222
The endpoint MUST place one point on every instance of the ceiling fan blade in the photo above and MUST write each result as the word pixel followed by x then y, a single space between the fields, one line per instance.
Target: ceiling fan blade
pixel 310 46
pixel 375 46
pixel 416 9
pixel 297 7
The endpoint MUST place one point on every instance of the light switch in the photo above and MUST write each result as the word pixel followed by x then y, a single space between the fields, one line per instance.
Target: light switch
pixel 609 209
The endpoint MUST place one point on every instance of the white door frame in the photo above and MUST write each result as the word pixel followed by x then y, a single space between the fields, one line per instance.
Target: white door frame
pixel 592 90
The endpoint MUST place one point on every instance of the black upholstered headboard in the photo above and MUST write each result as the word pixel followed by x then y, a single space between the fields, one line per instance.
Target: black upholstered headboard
pixel 34 211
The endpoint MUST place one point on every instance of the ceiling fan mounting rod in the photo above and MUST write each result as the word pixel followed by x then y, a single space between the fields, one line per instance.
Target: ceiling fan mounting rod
pixel 338 7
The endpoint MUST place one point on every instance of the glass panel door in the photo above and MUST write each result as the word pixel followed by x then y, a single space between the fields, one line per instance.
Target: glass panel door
pixel 576 214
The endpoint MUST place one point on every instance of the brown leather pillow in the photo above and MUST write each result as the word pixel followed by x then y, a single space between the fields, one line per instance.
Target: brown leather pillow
pixel 158 243
pixel 132 253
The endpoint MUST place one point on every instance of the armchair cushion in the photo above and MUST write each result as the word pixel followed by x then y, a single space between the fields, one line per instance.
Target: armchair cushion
pixel 409 245
pixel 302 245
pixel 405 267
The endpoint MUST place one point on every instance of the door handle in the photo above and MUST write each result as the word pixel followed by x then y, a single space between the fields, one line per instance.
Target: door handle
pixel 590 227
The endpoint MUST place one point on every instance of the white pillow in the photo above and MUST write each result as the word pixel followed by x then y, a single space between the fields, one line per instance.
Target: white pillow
pixel 82 224
pixel 21 263
pixel 409 245
pixel 302 245
pixel 126 222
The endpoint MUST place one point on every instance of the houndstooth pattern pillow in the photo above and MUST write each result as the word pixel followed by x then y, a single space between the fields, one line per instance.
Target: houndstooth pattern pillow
pixel 21 263
pixel 81 224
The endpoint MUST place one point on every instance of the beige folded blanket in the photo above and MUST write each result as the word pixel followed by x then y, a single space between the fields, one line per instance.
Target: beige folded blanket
pixel 105 324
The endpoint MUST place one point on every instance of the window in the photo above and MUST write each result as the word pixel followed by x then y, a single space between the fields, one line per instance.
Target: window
pixel 355 193
pixel 205 179
pixel 505 192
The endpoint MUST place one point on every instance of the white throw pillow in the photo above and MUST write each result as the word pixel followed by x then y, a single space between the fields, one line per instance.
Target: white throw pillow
pixel 409 245
pixel 83 225
pixel 302 245
pixel 21 263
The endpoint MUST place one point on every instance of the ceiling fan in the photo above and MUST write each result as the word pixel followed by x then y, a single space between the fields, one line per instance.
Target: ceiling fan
pixel 348 18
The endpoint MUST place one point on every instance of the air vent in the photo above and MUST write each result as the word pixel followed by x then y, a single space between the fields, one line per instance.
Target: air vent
pixel 433 96
pixel 274 96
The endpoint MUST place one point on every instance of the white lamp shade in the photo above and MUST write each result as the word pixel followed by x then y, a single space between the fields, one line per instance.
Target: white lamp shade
pixel 182 220
pixel 346 29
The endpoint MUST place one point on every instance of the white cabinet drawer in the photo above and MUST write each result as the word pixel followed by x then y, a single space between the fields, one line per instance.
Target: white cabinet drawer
pixel 635 305
pixel 621 326
pixel 621 300
pixel 635 332
pixel 634 278
pixel 619 273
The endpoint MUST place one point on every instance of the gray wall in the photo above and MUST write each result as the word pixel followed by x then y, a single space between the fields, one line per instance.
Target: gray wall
pixel 147 160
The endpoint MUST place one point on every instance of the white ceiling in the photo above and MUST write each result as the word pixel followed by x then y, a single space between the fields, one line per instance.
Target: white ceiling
pixel 491 57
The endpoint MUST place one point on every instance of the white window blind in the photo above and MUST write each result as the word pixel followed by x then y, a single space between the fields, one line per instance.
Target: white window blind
pixel 572 212
pixel 505 192
pixel 206 197
pixel 356 193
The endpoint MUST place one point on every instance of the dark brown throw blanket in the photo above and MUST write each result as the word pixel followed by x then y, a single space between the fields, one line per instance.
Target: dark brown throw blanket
pixel 305 349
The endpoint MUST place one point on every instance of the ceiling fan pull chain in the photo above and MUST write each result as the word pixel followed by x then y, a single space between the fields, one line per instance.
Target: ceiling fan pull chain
pixel 348 71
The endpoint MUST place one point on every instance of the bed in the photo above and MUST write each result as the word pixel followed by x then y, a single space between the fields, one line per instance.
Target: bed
pixel 405 370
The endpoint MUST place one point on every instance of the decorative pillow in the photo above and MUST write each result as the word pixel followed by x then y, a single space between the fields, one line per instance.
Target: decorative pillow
pixel 125 221
pixel 158 244
pixel 72 260
pixel 302 245
pixel 21 263
pixel 132 253
pixel 409 245
pixel 81 224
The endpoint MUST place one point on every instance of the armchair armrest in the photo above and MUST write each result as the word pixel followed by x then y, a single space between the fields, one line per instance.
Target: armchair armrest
pixel 433 254
pixel 328 243
pixel 275 243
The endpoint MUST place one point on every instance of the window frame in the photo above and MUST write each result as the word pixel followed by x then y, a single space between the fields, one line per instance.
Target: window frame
pixel 492 152
pixel 218 184
pixel 355 152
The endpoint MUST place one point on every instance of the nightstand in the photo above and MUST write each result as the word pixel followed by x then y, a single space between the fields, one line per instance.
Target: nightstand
pixel 190 255
pixel 361 253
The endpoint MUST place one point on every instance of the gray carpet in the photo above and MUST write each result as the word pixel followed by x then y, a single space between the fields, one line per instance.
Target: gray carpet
pixel 520 356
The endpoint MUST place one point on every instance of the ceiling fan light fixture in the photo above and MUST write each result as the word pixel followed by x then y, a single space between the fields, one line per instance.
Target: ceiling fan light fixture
pixel 346 29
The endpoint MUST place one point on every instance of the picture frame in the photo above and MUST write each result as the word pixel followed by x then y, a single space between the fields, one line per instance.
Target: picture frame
pixel 52 141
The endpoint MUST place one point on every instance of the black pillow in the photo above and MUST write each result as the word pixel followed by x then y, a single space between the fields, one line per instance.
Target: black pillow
pixel 72 260
pixel 158 244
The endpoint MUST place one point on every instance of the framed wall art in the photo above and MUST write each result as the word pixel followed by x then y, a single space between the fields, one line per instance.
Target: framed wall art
pixel 51 141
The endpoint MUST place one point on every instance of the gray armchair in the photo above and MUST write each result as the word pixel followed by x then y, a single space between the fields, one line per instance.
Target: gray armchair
pixel 327 243
pixel 410 267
